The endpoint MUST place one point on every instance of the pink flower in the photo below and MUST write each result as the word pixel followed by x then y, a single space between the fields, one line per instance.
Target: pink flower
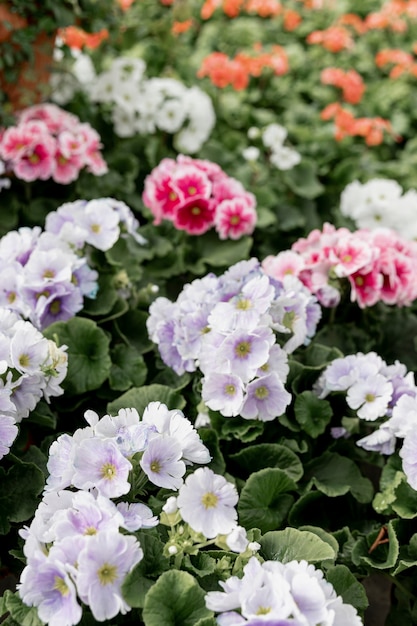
pixel 234 218
pixel 191 183
pixel 195 216
pixel 366 288
pixel 351 254
pixel 38 162
pixel 284 263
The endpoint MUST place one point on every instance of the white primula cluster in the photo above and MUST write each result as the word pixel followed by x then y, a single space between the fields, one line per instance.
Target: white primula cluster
pixel 272 137
pixel 380 202
pixel 141 105
pixel 31 368
pixel 273 593
pixel 377 392
pixel 81 544
pixel 227 327
pixel 99 456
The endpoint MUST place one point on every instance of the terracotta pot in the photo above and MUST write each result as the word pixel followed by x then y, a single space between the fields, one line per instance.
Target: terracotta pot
pixel 32 84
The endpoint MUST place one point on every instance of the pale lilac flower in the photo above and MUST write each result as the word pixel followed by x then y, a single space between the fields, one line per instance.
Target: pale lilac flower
pixel 28 348
pixel 102 567
pixel 223 392
pixel 266 398
pixel 46 584
pixel 370 396
pixel 382 440
pixel 277 362
pixel 408 453
pixel 101 222
pixel 207 503
pixel 162 462
pixel 88 516
pixel 136 515
pixel 8 433
pixel 244 352
pixel 100 464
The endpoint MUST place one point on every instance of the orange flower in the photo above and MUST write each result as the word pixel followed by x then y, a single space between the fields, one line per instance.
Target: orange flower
pixel 292 20
pixel 78 38
pixel 181 27
pixel 334 39
pixel 351 19
pixel 125 4
pixel 350 82
pixel 263 8
pixel 208 8
pixel 232 8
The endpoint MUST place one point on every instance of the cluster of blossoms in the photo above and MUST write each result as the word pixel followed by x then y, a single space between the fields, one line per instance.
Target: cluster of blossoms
pixel 380 202
pixel 81 544
pixel 227 328
pixel 401 62
pixel 237 72
pixel 279 594
pixel 383 394
pixel 372 129
pixel 196 195
pixel 31 368
pixel 264 8
pixel 380 265
pixel 141 105
pixel 45 275
pixel 273 137
pixel 350 82
pixel 48 142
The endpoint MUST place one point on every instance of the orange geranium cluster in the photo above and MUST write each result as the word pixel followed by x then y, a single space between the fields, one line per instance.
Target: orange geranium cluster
pixel 347 125
pixel 179 27
pixel 391 14
pixel 350 82
pixel 335 38
pixel 236 72
pixel 263 8
pixel 78 38
pixel 402 62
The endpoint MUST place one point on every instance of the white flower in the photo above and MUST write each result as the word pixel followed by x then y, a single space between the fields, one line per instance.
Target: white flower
pixel 207 503
pixel 274 135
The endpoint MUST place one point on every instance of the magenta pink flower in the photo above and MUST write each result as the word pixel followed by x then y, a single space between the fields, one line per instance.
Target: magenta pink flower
pixel 192 182
pixel 38 162
pixel 195 216
pixel 234 218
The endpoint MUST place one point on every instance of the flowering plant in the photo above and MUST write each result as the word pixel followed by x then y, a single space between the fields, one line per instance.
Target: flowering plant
pixel 249 346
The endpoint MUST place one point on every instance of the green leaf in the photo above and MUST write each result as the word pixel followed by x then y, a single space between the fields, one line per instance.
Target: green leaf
pixel 293 544
pixel 19 490
pixel 210 439
pixel 139 398
pixel 383 555
pixel 312 413
pixel 132 327
pixel 138 582
pixel 302 180
pixel 336 475
pixel 264 455
pixel 264 502
pixel 346 585
pixel 176 598
pixel 405 504
pixel 43 416
pixel 128 368
pixel 24 615
pixel 89 361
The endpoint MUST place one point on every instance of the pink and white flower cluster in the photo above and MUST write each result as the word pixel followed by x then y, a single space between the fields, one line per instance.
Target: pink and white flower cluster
pixel 31 368
pixel 197 195
pixel 45 275
pixel 274 593
pixel 379 265
pixel 385 395
pixel 48 142
pixel 227 328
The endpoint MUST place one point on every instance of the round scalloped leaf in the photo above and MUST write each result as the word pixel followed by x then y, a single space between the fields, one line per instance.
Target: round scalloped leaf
pixel 264 501
pixel 175 598
pixel 295 545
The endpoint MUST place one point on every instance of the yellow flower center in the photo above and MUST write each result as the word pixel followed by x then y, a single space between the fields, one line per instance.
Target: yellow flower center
pixel 370 397
pixel 242 349
pixel 230 390
pixel 155 467
pixel 61 586
pixel 243 304
pixel 209 500
pixel 24 360
pixel 196 210
pixel 95 228
pixel 108 471
pixel 262 392
pixel 107 574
